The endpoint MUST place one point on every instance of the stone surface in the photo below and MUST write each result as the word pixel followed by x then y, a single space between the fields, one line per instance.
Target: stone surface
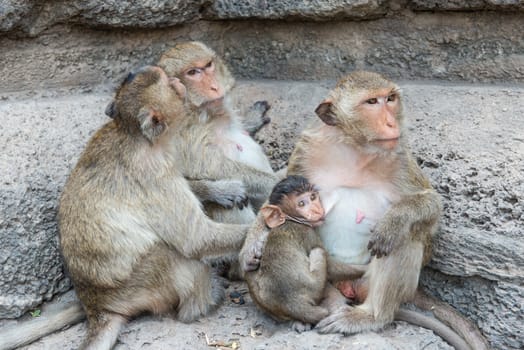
pixel 452 46
pixel 33 17
pixel 459 5
pixel 300 10
pixel 248 328
pixel 465 137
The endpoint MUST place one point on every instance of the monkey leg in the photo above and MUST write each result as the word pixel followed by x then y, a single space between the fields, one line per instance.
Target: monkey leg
pixel 199 290
pixel 392 279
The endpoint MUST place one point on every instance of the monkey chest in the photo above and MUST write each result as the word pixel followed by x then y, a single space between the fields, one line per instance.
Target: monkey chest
pixel 237 145
pixel 351 215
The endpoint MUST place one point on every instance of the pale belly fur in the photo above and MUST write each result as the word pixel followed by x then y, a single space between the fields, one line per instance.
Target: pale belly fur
pixel 351 215
pixel 242 148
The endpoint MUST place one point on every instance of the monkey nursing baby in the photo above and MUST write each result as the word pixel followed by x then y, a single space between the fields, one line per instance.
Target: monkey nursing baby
pixel 294 269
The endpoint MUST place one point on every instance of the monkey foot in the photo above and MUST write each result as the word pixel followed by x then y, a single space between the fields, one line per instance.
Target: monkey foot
pixel 348 320
pixel 300 327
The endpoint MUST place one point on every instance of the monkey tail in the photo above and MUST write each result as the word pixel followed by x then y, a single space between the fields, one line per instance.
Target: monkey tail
pixel 452 318
pixel 436 326
pixel 27 332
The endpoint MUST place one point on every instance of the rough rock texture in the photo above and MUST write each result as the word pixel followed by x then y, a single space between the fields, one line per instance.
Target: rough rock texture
pixel 246 327
pixel 302 10
pixel 466 138
pixel 32 17
pixel 451 46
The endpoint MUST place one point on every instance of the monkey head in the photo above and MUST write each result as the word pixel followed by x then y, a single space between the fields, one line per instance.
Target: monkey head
pixel 295 199
pixel 147 102
pixel 200 69
pixel 367 108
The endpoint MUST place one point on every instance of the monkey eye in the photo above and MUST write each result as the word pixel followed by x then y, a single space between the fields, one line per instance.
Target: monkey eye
pixel 392 97
pixel 193 71
pixel 301 203
pixel 209 65
pixel 372 101
pixel 313 196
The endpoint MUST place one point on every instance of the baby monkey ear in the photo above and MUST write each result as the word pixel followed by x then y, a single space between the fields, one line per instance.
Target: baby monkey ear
pixel 273 215
pixel 326 113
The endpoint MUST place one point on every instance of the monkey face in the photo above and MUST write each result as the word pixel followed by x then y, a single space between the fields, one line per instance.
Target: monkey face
pixel 202 82
pixel 378 113
pixel 308 206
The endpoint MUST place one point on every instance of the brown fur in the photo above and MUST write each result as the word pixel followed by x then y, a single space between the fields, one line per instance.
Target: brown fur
pixel 290 283
pixel 400 242
pixel 210 141
pixel 132 233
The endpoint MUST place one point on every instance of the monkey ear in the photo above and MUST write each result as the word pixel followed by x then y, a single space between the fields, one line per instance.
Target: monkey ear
pixel 152 124
pixel 273 215
pixel 326 113
pixel 111 110
pixel 178 86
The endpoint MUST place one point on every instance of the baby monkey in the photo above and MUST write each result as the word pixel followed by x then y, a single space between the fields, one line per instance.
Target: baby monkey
pixel 293 273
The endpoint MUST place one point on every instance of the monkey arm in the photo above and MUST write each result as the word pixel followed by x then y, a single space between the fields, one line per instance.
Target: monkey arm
pixel 212 164
pixel 186 228
pixel 414 216
pixel 339 271
pixel 251 252
pixel 226 193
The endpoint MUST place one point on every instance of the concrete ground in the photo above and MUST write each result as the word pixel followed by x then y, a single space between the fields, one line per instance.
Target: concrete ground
pixel 33 118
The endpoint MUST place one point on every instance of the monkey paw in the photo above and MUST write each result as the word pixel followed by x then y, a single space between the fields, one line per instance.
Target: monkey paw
pixel 300 327
pixel 256 117
pixel 230 193
pixel 347 320
pixel 383 241
pixel 250 260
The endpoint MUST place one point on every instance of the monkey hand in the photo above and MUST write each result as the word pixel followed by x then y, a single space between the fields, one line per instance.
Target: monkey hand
pixel 386 236
pixel 256 117
pixel 250 258
pixel 229 193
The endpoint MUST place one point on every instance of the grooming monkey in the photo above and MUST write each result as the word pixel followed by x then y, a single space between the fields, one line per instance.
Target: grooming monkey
pixel 132 233
pixel 289 285
pixel 380 207
pixel 215 146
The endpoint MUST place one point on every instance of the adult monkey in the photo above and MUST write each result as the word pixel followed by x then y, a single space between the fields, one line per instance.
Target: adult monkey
pixel 379 204
pixel 132 233
pixel 218 127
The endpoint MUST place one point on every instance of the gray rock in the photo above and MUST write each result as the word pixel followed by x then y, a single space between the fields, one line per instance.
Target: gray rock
pixel 33 17
pixel 300 10
pixel 459 5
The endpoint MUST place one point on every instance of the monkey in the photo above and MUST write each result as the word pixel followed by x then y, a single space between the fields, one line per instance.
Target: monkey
pixel 208 81
pixel 214 146
pixel 132 234
pixel 289 285
pixel 380 207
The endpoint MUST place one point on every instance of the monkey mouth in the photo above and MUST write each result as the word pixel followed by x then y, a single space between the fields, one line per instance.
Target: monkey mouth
pixel 318 222
pixel 387 143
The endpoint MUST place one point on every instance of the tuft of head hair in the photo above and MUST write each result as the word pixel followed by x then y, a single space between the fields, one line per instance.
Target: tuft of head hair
pixel 293 184
pixel 178 59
